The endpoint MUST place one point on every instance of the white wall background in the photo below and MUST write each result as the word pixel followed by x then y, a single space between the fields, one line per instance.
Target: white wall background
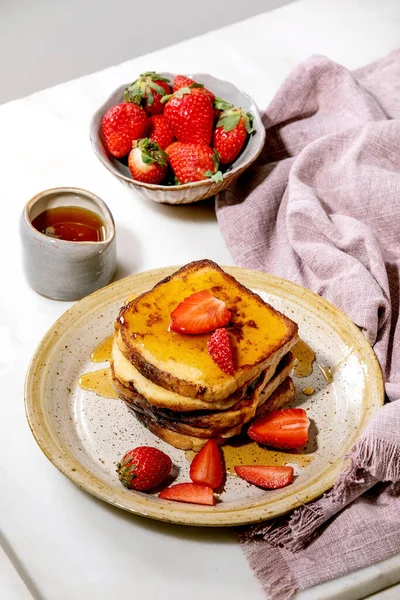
pixel 45 42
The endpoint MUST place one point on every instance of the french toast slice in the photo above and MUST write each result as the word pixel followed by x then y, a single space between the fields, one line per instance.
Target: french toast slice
pixel 180 440
pixel 283 395
pixel 259 334
pixel 134 384
pixel 213 421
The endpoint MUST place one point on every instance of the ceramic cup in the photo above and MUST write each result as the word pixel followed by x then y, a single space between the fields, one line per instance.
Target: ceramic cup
pixel 60 269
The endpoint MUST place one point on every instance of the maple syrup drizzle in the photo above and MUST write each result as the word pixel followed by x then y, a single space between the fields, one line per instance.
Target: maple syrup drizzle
pixel 308 391
pixel 70 223
pixel 327 372
pixel 304 359
pixel 250 453
pixel 102 352
pixel 98 382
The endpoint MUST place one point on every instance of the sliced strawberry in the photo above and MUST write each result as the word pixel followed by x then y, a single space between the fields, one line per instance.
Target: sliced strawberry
pixel 269 478
pixel 219 348
pixel 207 466
pixel 189 492
pixel 286 428
pixel 199 313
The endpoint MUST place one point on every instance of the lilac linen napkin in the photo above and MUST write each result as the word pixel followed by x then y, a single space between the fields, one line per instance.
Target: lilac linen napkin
pixel 321 207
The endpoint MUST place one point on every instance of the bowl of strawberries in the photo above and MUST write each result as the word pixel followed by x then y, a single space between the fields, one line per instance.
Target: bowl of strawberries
pixel 177 139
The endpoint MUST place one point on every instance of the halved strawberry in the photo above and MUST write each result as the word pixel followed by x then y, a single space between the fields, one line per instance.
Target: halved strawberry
pixel 189 492
pixel 270 478
pixel 219 348
pixel 199 313
pixel 286 428
pixel 207 467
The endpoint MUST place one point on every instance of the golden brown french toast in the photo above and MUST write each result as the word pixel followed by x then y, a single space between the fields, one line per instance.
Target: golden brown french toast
pixel 215 420
pixel 283 395
pixel 180 363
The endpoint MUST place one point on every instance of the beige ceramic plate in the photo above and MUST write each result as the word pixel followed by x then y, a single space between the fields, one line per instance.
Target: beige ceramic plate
pixel 84 435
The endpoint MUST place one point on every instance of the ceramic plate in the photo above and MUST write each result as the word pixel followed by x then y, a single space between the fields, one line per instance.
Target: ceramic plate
pixel 84 435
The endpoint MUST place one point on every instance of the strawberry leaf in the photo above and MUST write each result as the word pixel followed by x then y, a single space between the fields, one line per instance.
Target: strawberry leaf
pixel 134 94
pixel 215 157
pixel 152 153
pixel 222 104
pixel 181 92
pixel 155 76
pixel 157 88
pixel 149 97
pixel 229 119
pixel 248 119
pixel 217 177
pixel 196 85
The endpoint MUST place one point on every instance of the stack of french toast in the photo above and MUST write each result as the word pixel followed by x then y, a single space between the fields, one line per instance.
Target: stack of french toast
pixel 172 380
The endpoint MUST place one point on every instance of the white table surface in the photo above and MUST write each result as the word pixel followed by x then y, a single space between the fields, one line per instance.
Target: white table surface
pixel 58 542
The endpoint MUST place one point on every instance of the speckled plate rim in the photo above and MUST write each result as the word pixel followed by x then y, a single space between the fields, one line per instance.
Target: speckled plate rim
pixel 174 512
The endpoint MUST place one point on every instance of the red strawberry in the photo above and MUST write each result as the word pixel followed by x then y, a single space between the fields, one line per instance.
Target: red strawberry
pixel 160 132
pixel 147 91
pixel 219 348
pixel 270 478
pixel 189 492
pixel 181 81
pixel 190 114
pixel 207 467
pixel 230 134
pixel 144 468
pixel 199 313
pixel 193 162
pixel 121 125
pixel 285 428
pixel 147 162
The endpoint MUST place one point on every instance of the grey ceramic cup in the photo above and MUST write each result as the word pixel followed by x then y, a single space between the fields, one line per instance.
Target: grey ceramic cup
pixel 60 269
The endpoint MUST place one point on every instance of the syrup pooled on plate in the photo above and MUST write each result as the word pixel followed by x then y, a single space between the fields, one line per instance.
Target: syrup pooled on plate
pixel 304 359
pixel 70 223
pixel 99 381
pixel 242 452
pixel 102 352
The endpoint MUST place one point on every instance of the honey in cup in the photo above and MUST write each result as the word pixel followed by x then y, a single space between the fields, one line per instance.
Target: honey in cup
pixel 70 223
pixel 68 243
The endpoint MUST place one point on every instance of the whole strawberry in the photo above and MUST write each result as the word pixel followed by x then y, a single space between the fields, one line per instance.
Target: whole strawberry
pixel 193 162
pixel 121 125
pixel 219 348
pixel 144 468
pixel 233 127
pixel 160 132
pixel 147 91
pixel 190 114
pixel 147 162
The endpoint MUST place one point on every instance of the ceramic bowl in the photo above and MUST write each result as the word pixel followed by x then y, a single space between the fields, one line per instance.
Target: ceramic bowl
pixel 189 192
pixel 60 269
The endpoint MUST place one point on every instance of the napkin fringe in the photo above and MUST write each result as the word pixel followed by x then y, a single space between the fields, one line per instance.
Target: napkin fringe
pixel 271 570
pixel 370 463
